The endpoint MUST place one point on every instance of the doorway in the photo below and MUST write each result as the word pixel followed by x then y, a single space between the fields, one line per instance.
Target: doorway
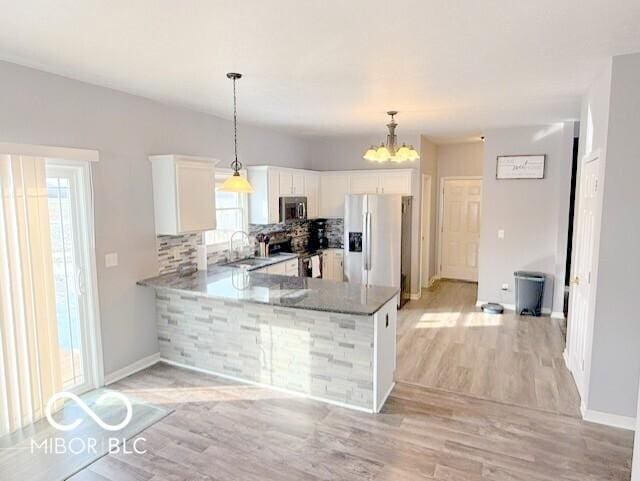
pixel 71 227
pixel 459 228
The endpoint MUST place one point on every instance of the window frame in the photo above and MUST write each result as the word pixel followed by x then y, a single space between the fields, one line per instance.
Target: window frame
pixel 244 207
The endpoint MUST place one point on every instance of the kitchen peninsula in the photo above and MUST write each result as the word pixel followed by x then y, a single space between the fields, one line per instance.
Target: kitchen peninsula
pixel 332 341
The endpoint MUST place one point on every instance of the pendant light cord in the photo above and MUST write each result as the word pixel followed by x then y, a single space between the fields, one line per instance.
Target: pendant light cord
pixel 236 165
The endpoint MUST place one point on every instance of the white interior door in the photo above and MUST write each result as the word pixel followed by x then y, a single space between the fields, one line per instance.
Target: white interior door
pixel 460 229
pixel 578 325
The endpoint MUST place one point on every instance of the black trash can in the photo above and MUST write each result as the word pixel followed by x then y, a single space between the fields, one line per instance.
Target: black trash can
pixel 529 290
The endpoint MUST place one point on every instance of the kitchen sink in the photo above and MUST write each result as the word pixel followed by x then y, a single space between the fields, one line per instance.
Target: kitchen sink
pixel 250 262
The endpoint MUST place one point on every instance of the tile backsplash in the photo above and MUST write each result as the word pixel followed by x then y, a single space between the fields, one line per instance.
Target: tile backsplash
pixel 175 252
pixel 334 231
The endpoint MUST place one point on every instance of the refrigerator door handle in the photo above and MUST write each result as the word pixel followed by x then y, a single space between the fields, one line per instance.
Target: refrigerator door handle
pixel 369 241
pixel 365 241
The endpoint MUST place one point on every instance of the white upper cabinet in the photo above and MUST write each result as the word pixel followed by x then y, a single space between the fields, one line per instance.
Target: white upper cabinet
pixel 271 183
pixel 381 182
pixel 312 192
pixel 291 183
pixel 395 183
pixel 264 203
pixel 183 194
pixel 297 184
pixel 333 187
pixel 324 191
pixel 364 183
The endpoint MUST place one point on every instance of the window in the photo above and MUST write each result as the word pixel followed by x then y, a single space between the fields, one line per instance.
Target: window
pixel 231 214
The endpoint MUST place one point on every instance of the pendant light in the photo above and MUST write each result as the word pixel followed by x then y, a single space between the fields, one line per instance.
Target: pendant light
pixel 390 151
pixel 236 183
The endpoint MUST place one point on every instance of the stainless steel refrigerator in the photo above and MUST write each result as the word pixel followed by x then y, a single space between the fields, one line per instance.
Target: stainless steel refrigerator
pixel 373 235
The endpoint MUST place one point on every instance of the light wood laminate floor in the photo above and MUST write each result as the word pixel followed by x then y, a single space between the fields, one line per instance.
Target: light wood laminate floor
pixel 444 342
pixel 222 430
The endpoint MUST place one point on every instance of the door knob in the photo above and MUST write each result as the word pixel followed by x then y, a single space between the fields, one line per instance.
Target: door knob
pixel 575 280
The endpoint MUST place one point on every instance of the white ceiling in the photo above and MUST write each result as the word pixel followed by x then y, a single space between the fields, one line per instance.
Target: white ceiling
pixel 452 68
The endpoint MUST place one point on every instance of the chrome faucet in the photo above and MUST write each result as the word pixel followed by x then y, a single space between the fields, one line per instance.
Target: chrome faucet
pixel 234 254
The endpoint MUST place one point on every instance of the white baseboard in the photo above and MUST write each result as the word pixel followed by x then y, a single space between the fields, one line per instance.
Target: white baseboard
pixel 386 396
pixel 268 386
pixel 415 296
pixel 512 307
pixel 132 368
pixel 430 283
pixel 613 420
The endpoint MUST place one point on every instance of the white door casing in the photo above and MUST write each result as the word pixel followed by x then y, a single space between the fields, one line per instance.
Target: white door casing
pixel 425 235
pixel 582 292
pixel 460 228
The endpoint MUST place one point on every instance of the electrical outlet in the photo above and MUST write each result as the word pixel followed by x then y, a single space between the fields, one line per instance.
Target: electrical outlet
pixel 505 287
pixel 501 234
pixel 111 259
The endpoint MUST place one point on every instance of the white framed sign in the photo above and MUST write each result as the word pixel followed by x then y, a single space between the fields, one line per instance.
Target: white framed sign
pixel 520 167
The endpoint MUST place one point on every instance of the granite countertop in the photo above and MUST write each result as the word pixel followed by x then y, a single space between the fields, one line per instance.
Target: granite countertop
pixel 229 283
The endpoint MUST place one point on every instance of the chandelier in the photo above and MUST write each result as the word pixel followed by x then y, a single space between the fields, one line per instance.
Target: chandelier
pixel 390 151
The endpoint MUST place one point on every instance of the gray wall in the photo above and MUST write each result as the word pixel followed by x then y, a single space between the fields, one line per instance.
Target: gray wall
pixel 615 361
pixel 429 166
pixel 533 213
pixel 460 159
pixel 40 108
pixel 345 153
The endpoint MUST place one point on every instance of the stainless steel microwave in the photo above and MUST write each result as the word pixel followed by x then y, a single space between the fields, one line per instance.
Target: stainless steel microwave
pixel 293 208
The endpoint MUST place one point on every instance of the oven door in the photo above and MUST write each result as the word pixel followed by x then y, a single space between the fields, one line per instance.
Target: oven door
pixel 305 267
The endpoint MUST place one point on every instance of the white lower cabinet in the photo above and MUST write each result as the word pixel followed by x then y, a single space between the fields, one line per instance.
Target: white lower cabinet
pixel 291 267
pixel 333 264
pixel 285 268
pixel 278 268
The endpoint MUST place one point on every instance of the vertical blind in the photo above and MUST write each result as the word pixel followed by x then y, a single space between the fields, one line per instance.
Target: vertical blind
pixel 29 353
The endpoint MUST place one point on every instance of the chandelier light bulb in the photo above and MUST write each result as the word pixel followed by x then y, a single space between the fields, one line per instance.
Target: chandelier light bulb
pixel 383 153
pixel 371 154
